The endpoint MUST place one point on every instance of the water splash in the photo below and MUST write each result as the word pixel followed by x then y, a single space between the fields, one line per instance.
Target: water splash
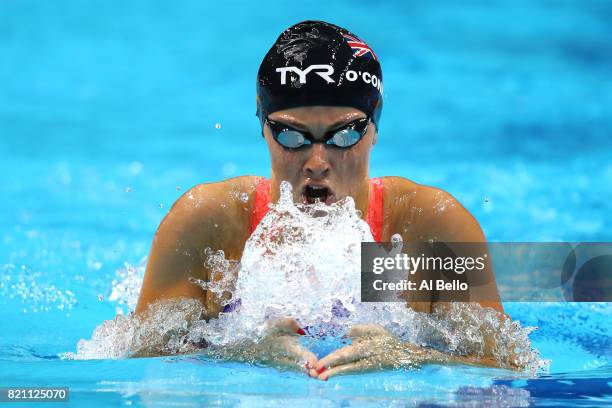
pixel 32 289
pixel 164 331
pixel 127 284
pixel 302 261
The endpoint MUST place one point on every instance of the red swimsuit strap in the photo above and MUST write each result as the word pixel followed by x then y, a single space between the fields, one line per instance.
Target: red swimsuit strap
pixel 262 199
pixel 374 217
pixel 376 208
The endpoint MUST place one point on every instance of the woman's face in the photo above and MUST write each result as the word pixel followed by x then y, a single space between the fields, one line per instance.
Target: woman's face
pixel 318 170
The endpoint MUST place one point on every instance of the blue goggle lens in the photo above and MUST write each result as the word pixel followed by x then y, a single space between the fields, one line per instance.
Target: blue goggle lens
pixel 345 137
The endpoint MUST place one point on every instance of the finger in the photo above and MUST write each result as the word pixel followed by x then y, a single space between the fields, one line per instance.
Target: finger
pixel 414 354
pixel 356 366
pixel 310 370
pixel 297 357
pixel 361 330
pixel 286 325
pixel 344 355
pixel 290 347
pixel 308 361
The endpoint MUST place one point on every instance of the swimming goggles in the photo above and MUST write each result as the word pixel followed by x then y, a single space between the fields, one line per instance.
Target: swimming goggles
pixel 343 137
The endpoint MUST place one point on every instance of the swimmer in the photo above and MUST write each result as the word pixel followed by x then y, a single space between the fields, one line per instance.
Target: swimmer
pixel 319 103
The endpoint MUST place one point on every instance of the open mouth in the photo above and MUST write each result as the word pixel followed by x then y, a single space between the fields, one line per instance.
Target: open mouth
pixel 313 193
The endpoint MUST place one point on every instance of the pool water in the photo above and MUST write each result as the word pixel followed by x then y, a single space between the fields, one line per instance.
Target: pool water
pixel 110 111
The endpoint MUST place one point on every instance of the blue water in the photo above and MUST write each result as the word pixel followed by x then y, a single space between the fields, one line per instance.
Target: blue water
pixel 110 110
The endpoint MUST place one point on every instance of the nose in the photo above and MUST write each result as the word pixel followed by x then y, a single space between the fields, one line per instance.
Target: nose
pixel 316 165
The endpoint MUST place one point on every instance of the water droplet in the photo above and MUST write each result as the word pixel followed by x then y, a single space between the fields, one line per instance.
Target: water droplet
pixel 128 190
pixel 244 197
pixel 217 126
pixel 100 297
pixel 161 205
pixel 488 205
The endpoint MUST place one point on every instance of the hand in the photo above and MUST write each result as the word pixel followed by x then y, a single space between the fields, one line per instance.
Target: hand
pixel 373 348
pixel 280 347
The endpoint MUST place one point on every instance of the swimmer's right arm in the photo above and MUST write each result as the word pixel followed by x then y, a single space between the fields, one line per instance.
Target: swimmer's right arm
pixel 207 216
pixel 211 216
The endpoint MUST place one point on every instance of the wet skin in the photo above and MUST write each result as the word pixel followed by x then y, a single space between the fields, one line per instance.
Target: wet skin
pixel 212 215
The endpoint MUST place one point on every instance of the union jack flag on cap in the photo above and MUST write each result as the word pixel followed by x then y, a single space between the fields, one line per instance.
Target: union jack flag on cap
pixel 359 47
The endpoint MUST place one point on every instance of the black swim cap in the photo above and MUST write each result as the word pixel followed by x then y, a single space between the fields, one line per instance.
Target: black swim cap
pixel 317 63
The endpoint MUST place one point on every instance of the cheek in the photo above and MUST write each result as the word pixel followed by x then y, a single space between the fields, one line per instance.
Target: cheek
pixel 284 164
pixel 354 163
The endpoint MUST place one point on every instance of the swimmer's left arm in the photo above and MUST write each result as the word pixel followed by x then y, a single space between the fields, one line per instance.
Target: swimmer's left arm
pixel 450 222
pixel 374 348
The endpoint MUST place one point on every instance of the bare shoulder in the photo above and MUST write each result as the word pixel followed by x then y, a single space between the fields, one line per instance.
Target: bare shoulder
pixel 209 212
pixel 404 197
pixel 221 195
pixel 400 189
pixel 425 212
